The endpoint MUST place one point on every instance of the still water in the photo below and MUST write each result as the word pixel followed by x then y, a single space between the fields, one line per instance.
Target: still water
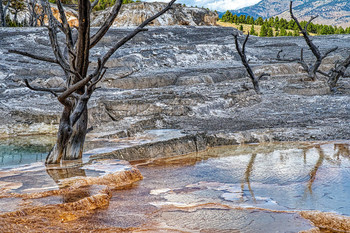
pixel 246 188
pixel 24 150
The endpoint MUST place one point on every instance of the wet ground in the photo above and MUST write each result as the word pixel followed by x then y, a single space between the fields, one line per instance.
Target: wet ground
pixel 245 188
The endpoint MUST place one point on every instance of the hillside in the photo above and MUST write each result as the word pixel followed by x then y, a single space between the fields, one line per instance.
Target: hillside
pixel 134 13
pixel 332 12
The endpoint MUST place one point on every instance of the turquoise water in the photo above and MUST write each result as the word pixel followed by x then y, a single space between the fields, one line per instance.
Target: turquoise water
pixel 244 188
pixel 24 150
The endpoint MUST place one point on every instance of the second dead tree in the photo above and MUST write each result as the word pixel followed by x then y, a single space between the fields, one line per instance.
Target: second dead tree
pixel 241 51
pixel 3 11
pixel 311 69
pixel 333 74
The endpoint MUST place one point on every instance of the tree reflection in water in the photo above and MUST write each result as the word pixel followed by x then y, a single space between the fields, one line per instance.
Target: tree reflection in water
pixel 66 170
pixel 247 174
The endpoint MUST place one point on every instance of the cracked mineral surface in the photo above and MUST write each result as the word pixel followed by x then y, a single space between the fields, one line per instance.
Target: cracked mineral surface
pixel 184 78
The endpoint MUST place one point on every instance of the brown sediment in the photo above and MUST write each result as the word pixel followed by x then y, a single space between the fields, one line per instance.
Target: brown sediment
pixel 113 180
pixel 94 193
pixel 42 218
pixel 328 221
pixel 313 230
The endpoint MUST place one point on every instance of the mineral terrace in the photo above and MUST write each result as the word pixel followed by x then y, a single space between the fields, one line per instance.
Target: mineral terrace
pixel 185 78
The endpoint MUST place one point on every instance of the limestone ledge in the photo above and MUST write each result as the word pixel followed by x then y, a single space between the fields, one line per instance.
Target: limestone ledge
pixel 22 129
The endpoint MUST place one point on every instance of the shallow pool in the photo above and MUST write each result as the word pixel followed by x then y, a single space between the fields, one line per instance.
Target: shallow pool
pixel 245 188
pixel 24 150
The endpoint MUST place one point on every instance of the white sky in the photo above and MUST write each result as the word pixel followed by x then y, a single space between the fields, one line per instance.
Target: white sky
pixel 219 5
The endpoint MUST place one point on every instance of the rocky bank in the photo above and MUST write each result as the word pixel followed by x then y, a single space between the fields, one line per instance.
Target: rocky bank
pixel 184 78
pixel 134 14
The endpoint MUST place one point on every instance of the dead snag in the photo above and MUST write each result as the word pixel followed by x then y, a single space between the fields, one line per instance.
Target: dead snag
pixel 311 69
pixel 36 15
pixel 72 56
pixel 337 72
pixel 241 52
pixel 3 12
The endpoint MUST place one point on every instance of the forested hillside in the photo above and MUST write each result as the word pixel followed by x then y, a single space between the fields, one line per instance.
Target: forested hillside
pixel 276 26
pixel 335 12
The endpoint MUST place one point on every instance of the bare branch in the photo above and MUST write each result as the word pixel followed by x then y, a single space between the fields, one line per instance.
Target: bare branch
pixel 74 88
pixel 284 59
pixel 244 43
pixel 139 29
pixel 53 91
pixel 245 63
pixel 324 73
pixel 107 24
pixel 66 28
pixel 311 19
pixel 128 74
pixel 53 35
pixel 311 45
pixel 37 57
pixel 263 75
pixel 312 70
pixel 94 4
pixel 328 52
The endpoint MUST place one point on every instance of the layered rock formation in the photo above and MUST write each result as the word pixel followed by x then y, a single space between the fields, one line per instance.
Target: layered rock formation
pixel 186 78
pixel 135 13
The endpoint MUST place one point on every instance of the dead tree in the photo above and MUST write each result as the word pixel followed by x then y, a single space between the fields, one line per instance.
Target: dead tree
pixel 81 79
pixel 337 72
pixel 3 11
pixel 311 69
pixel 241 52
pixel 36 14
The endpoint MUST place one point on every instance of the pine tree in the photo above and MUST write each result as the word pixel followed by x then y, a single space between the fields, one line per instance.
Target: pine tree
pixel 296 33
pixel 270 32
pixel 263 31
pixel 283 32
pixel 252 30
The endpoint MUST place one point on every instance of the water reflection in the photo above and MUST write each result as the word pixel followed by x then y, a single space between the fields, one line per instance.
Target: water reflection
pixel 247 175
pixel 24 150
pixel 311 176
pixel 246 188
pixel 65 170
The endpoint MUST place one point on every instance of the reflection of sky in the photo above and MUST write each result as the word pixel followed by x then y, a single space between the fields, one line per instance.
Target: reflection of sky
pixel 11 155
pixel 284 176
pixel 219 5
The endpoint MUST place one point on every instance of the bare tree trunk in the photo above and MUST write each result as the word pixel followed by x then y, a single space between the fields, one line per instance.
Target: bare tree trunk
pixel 2 16
pixel 313 69
pixel 63 136
pixel 80 81
pixel 241 53
pixel 75 146
pixel 3 13
pixel 338 72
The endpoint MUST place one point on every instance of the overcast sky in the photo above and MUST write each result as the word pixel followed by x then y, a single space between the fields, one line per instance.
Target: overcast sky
pixel 219 5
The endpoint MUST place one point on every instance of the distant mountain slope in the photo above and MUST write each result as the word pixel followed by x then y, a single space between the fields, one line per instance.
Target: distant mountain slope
pixel 135 13
pixel 267 8
pixel 335 12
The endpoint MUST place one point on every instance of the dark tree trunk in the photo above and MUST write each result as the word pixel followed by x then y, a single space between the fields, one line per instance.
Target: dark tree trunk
pixel 3 13
pixel 338 72
pixel 2 16
pixel 80 83
pixel 63 137
pixel 75 146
